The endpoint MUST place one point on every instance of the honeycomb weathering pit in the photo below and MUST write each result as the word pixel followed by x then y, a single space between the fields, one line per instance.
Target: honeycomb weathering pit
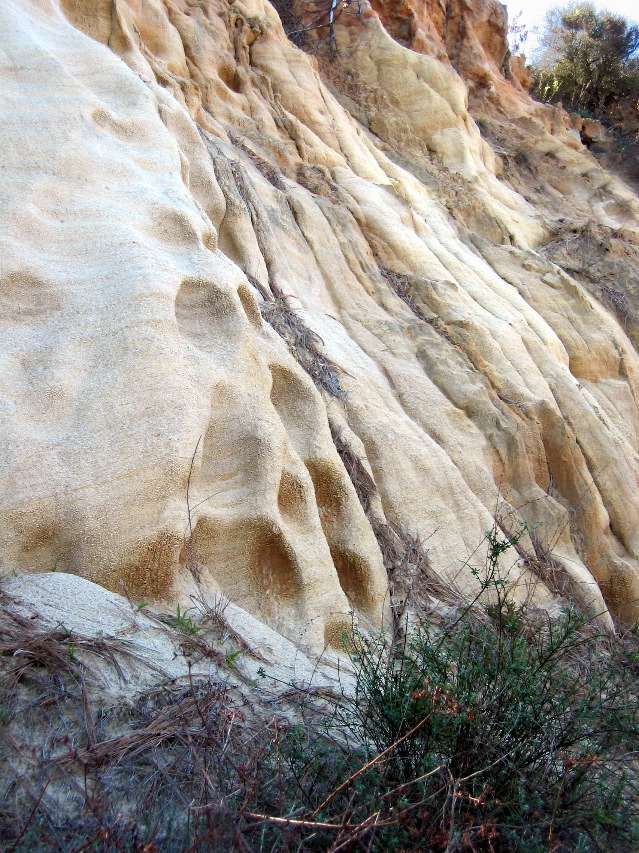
pixel 174 175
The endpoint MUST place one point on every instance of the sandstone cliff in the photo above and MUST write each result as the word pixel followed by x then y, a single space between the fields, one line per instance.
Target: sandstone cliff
pixel 275 318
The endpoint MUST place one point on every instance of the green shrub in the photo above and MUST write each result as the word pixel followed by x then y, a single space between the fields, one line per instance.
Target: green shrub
pixel 512 730
pixel 496 729
pixel 526 730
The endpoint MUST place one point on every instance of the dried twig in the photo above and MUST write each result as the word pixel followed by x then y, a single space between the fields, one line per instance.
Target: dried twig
pixel 374 761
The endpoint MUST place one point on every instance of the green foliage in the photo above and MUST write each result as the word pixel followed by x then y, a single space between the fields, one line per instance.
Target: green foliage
pixel 522 743
pixel 512 731
pixel 588 58
pixel 498 729
pixel 232 655
pixel 182 621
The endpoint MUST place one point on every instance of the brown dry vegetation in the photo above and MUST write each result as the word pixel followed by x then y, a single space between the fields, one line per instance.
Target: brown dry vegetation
pixel 492 729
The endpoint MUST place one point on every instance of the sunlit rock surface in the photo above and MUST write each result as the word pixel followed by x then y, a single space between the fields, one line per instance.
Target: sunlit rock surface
pixel 229 266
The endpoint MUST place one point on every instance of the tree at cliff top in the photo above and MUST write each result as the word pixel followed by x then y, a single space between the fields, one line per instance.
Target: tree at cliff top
pixel 588 58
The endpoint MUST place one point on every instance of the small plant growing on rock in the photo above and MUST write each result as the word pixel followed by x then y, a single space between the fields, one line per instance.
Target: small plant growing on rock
pixel 182 621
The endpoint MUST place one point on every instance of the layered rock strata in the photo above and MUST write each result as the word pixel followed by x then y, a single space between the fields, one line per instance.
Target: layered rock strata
pixel 229 268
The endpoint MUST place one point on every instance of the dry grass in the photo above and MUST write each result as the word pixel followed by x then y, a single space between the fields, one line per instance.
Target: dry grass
pixel 305 345
pixel 550 572
pixel 270 172
pixel 182 767
pixel 164 781
pixel 602 260
pixel 412 581
pixel 29 651
pixel 538 559
pixel 619 303
pixel 198 767
pixel 315 181
pixel 400 285
pixel 362 481
pixel 187 770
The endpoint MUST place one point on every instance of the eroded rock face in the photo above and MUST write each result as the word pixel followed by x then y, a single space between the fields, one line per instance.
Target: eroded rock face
pixel 234 275
pixel 469 35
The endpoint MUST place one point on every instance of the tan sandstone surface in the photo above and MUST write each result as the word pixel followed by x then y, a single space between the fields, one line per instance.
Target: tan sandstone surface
pixel 264 309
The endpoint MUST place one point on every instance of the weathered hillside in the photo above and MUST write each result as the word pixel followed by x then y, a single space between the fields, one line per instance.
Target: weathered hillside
pixel 270 316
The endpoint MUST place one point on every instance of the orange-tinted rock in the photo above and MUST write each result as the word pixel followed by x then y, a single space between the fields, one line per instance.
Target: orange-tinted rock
pixel 593 133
